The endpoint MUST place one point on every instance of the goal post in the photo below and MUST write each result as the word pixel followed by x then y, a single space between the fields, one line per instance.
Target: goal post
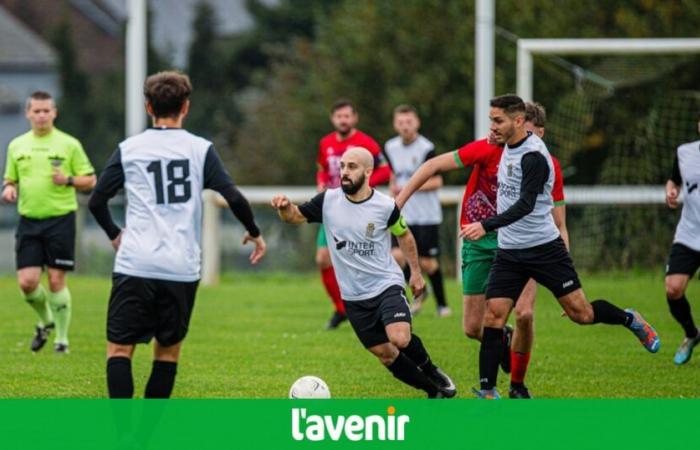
pixel 527 48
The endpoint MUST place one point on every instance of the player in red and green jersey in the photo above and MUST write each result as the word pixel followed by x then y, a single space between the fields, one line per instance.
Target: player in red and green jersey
pixel 479 203
pixel 344 118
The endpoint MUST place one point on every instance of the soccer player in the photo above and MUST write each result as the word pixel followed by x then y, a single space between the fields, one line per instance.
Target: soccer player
pixel 358 219
pixel 684 258
pixel 45 167
pixel 157 268
pixel 344 118
pixel 530 245
pixel 423 212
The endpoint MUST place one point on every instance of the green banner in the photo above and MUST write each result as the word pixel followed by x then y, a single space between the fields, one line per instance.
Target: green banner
pixel 348 424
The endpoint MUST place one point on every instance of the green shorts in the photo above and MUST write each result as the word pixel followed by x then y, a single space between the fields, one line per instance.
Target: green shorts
pixel 477 257
pixel 321 241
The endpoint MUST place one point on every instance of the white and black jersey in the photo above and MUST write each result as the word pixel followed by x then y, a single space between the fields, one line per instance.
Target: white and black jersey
pixel 163 172
pixel 524 199
pixel 358 239
pixel 423 208
pixel 686 173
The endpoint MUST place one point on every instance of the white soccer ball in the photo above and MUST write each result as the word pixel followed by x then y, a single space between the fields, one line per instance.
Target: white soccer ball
pixel 309 387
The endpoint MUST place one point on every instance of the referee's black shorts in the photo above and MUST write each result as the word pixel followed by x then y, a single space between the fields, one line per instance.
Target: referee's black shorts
pixel 369 318
pixel 549 264
pixel 682 260
pixel 143 308
pixel 46 242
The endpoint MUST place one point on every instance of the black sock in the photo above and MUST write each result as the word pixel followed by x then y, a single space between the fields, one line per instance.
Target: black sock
pixel 406 273
pixel 606 312
pixel 162 379
pixel 418 354
pixel 120 383
pixel 680 310
pixel 438 287
pixel 407 371
pixel 490 355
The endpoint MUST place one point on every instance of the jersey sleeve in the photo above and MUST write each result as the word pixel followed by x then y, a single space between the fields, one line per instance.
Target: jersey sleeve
pixel 469 154
pixel 676 173
pixel 558 188
pixel 313 209
pixel 80 164
pixel 216 176
pixel 10 167
pixel 112 177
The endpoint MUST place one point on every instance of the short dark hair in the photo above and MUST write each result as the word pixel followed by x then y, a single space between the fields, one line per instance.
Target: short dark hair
pixel 342 103
pixel 166 92
pixel 38 95
pixel 405 109
pixel 535 113
pixel 510 103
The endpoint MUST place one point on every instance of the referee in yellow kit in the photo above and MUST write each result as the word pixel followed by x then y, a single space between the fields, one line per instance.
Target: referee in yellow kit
pixel 44 168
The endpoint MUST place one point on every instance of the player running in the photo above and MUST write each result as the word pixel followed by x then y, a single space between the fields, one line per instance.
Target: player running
pixel 358 219
pixel 684 258
pixel 344 118
pixel 530 245
pixel 157 268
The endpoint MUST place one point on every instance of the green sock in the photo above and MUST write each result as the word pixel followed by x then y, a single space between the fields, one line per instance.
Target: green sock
pixel 60 303
pixel 37 300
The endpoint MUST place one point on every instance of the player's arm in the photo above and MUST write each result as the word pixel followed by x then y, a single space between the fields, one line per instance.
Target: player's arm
pixel 535 174
pixel 559 210
pixel 311 211
pixel 427 170
pixel 109 183
pixel 84 178
pixel 435 182
pixel 673 185
pixel 407 243
pixel 218 179
pixel 9 183
pixel 559 215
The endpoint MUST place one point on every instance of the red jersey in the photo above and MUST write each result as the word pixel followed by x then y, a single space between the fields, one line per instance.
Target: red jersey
pixel 479 200
pixel 330 150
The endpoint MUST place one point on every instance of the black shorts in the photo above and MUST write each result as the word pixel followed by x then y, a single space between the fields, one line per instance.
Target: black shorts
pixel 370 317
pixel 682 260
pixel 427 240
pixel 549 264
pixel 46 242
pixel 143 308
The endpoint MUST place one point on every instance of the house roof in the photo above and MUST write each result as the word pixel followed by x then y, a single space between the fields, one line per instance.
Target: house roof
pixel 21 48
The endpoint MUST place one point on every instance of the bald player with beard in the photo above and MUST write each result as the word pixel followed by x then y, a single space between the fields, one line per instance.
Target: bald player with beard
pixel 357 220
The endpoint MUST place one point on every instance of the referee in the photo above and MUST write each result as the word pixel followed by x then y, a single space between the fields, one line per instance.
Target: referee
pixel 44 168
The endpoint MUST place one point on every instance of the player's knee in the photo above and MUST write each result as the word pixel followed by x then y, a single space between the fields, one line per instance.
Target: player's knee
pixel 523 318
pixel 28 283
pixel 674 290
pixel 581 316
pixel 387 354
pixel 400 340
pixel 429 265
pixel 56 283
pixel 472 330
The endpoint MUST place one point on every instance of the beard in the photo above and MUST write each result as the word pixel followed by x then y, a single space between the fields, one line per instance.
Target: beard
pixel 351 187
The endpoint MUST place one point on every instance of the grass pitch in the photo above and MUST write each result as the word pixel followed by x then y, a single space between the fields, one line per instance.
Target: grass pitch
pixel 254 334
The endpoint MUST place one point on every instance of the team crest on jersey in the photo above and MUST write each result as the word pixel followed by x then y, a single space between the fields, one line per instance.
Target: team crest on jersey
pixel 510 170
pixel 369 232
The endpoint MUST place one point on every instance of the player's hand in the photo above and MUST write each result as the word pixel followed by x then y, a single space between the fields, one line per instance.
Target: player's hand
pixel 473 231
pixel 417 283
pixel 672 197
pixel 9 194
pixel 280 201
pixel 117 241
pixel 59 178
pixel 260 247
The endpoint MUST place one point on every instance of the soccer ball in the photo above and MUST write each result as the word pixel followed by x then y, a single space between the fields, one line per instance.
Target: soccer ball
pixel 309 387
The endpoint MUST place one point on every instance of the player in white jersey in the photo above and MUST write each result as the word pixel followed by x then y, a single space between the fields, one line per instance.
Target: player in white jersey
pixel 357 220
pixel 423 212
pixel 684 258
pixel 530 245
pixel 157 268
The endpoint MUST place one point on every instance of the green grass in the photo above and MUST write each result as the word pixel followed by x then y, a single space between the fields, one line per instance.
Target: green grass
pixel 253 335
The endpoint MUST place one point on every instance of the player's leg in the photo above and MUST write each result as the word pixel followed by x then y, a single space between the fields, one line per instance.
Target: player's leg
pixel 120 381
pixel 683 262
pixel 428 243
pixel 30 259
pixel 523 337
pixel 323 262
pixel 59 236
pixel 398 329
pixel 476 264
pixel 162 379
